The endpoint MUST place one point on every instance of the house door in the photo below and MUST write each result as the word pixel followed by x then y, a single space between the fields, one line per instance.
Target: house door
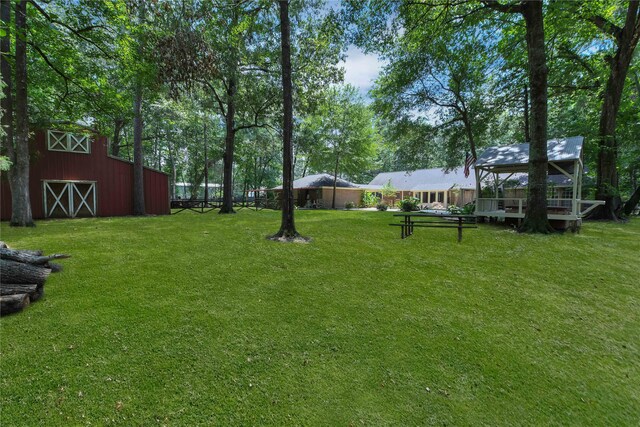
pixel 69 199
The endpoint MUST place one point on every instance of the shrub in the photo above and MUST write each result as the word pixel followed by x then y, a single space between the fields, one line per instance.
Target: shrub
pixel 409 204
pixel 467 209
pixel 382 206
pixel 349 205
pixel 369 199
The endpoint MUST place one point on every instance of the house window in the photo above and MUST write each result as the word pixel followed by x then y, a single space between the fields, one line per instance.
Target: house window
pixel 440 196
pixel 65 141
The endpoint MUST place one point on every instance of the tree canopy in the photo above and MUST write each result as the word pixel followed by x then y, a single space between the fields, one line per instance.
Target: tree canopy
pixel 175 79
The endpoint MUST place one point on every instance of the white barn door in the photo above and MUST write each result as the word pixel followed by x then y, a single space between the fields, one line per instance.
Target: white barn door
pixel 69 199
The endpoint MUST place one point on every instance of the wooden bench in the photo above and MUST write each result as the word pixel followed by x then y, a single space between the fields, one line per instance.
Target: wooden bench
pixel 410 220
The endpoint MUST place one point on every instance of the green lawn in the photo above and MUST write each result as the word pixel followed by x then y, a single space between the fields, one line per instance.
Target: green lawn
pixel 199 320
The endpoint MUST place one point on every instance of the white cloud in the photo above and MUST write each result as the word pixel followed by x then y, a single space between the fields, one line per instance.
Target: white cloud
pixel 361 70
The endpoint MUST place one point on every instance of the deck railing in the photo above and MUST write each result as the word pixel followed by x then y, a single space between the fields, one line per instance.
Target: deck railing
pixel 510 205
pixel 519 205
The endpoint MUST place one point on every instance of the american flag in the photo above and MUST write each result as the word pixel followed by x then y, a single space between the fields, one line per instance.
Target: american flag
pixel 468 162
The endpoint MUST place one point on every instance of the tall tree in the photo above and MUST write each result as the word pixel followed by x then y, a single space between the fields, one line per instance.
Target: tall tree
pixel 625 39
pixel 18 148
pixel 64 45
pixel 344 135
pixel 287 225
pixel 535 220
pixel 439 17
pixel 7 83
pixel 138 156
pixel 227 48
pixel 444 76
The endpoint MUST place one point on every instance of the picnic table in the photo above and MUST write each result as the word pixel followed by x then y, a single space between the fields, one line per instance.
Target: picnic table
pixel 409 220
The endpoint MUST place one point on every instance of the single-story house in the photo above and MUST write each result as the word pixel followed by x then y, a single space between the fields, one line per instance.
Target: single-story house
pixel 433 187
pixel 316 191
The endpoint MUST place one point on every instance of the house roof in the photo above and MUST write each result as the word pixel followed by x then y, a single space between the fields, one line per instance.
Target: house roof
pixel 425 180
pixel 509 156
pixel 319 180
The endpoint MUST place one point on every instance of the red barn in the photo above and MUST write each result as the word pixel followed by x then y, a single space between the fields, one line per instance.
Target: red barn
pixel 72 175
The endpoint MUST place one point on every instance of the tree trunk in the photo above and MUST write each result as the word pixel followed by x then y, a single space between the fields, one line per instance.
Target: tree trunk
pixel 28 257
pixel 335 181
pixel 115 143
pixel 287 225
pixel 229 143
pixel 34 291
pixel 17 272
pixel 206 162
pixel 607 174
pixel 138 166
pixel 536 220
pixel 230 134
pixel 469 131
pixel 527 138
pixel 7 80
pixel 19 181
pixel 633 201
pixel 174 171
pixel 138 161
pixel 13 303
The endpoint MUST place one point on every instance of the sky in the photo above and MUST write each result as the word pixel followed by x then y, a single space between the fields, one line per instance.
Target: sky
pixel 361 70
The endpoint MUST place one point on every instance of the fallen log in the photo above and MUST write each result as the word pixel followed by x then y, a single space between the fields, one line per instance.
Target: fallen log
pixel 17 272
pixel 34 291
pixel 13 303
pixel 22 276
pixel 55 268
pixel 29 257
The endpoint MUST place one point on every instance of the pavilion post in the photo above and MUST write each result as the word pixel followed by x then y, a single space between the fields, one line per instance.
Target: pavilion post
pixel 476 171
pixel 574 202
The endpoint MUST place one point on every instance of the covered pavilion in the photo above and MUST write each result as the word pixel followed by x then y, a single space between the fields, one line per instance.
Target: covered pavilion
pixel 498 164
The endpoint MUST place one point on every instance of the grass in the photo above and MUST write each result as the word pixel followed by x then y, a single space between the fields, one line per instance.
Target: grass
pixel 199 320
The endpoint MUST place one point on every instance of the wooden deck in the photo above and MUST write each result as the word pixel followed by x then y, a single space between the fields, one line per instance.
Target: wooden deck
pixel 570 210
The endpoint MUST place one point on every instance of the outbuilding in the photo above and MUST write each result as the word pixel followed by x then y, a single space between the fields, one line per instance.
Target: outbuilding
pixel 71 175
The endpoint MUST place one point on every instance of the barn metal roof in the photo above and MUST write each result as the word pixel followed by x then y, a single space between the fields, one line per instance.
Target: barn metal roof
pixel 425 180
pixel 558 150
pixel 319 180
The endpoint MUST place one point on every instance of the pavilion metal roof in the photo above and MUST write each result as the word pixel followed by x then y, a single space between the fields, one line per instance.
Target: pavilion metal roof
pixel 503 157
pixel 436 179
